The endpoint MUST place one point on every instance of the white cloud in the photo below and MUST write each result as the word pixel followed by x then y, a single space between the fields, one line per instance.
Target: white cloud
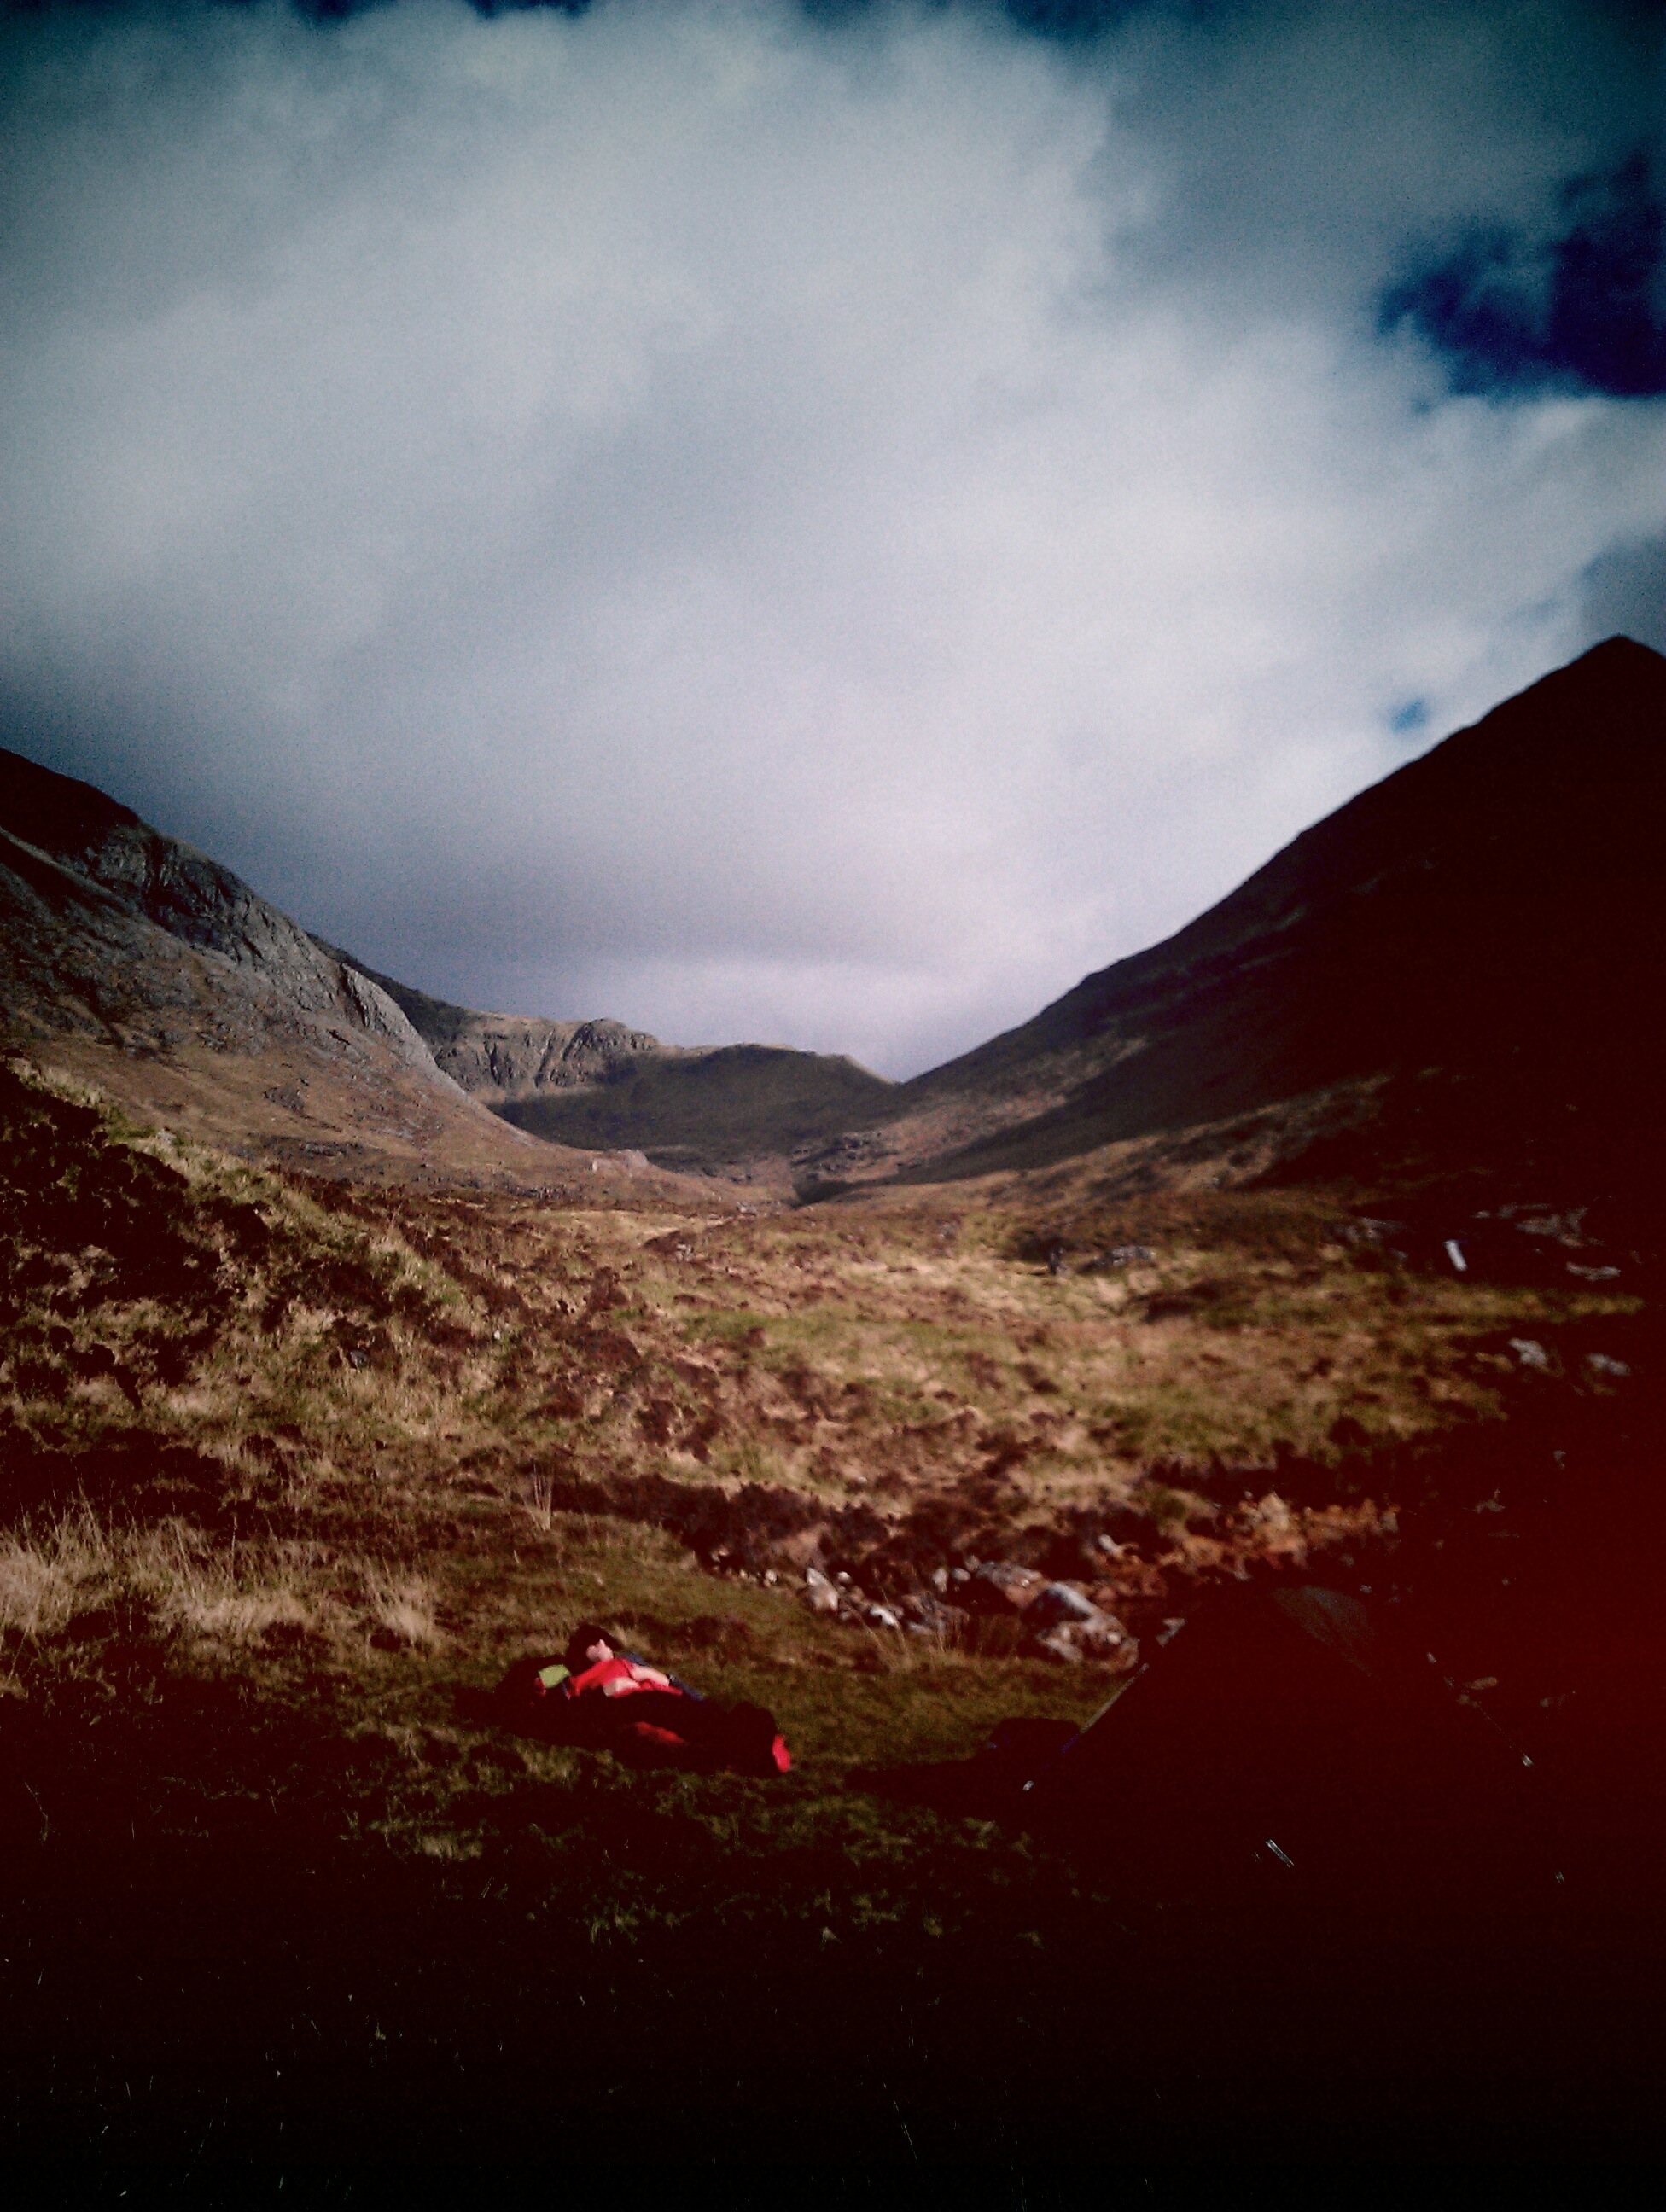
pixel 759 530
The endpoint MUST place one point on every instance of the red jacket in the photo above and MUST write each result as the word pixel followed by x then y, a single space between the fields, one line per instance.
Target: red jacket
pixel 618 1678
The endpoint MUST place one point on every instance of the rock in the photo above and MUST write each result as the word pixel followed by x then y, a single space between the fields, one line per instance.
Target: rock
pixel 1273 1527
pixel 1529 1352
pixel 1593 1274
pixel 881 1616
pixel 1058 1601
pixel 939 1579
pixel 1543 1221
pixel 1063 1617
pixel 820 1592
pixel 1107 1638
pixel 1122 1256
pixel 1366 1231
pixel 1600 1364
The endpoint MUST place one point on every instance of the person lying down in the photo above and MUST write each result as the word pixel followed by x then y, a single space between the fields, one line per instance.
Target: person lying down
pixel 599 1695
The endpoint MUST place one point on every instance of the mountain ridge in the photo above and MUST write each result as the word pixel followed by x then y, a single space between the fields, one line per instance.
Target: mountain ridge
pixel 1501 885
pixel 1448 967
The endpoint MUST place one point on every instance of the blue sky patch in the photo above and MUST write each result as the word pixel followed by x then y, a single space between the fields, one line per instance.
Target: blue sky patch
pixel 1580 310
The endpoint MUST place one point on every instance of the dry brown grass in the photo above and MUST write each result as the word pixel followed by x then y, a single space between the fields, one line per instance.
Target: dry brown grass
pixel 400 1398
pixel 185 1590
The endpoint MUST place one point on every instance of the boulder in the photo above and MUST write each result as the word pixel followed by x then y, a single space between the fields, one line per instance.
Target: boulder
pixel 1098 1635
pixel 1121 1255
pixel 1107 1638
pixel 820 1592
pixel 1058 1601
pixel 923 1611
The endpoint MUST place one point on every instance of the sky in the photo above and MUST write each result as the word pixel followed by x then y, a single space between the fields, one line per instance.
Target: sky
pixel 822 524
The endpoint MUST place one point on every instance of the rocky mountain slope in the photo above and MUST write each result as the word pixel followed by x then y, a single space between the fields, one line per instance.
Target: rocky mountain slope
pixel 1455 969
pixel 499 1057
pixel 146 968
pixel 1441 980
pixel 97 904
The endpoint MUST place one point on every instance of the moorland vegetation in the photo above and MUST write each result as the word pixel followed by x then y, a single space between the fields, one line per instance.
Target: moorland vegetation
pixel 298 1468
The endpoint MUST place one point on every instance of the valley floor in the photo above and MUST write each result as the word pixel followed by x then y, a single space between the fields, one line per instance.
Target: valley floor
pixel 296 1470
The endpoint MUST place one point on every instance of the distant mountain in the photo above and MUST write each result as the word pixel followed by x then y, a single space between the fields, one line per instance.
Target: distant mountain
pixel 600 1084
pixel 1460 969
pixel 498 1057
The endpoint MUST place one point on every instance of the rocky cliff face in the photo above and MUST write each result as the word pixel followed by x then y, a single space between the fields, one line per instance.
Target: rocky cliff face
pixel 497 1058
pixel 97 907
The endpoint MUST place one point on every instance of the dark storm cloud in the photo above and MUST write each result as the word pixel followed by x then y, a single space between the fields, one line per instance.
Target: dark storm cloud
pixel 819 522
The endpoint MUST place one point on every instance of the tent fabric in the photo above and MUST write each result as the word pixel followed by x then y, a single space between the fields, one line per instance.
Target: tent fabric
pixel 1284 1734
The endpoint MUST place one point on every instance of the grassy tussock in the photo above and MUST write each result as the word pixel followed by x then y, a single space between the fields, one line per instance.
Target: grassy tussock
pixel 69 1581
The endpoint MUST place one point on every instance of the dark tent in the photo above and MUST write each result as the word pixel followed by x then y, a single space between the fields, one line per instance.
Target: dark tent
pixel 1280 1738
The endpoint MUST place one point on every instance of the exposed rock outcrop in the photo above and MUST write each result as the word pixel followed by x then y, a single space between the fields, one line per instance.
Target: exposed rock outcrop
pixel 499 1057
pixel 133 962
pixel 97 905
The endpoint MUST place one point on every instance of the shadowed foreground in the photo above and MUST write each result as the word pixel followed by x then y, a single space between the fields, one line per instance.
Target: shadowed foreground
pixel 274 1990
